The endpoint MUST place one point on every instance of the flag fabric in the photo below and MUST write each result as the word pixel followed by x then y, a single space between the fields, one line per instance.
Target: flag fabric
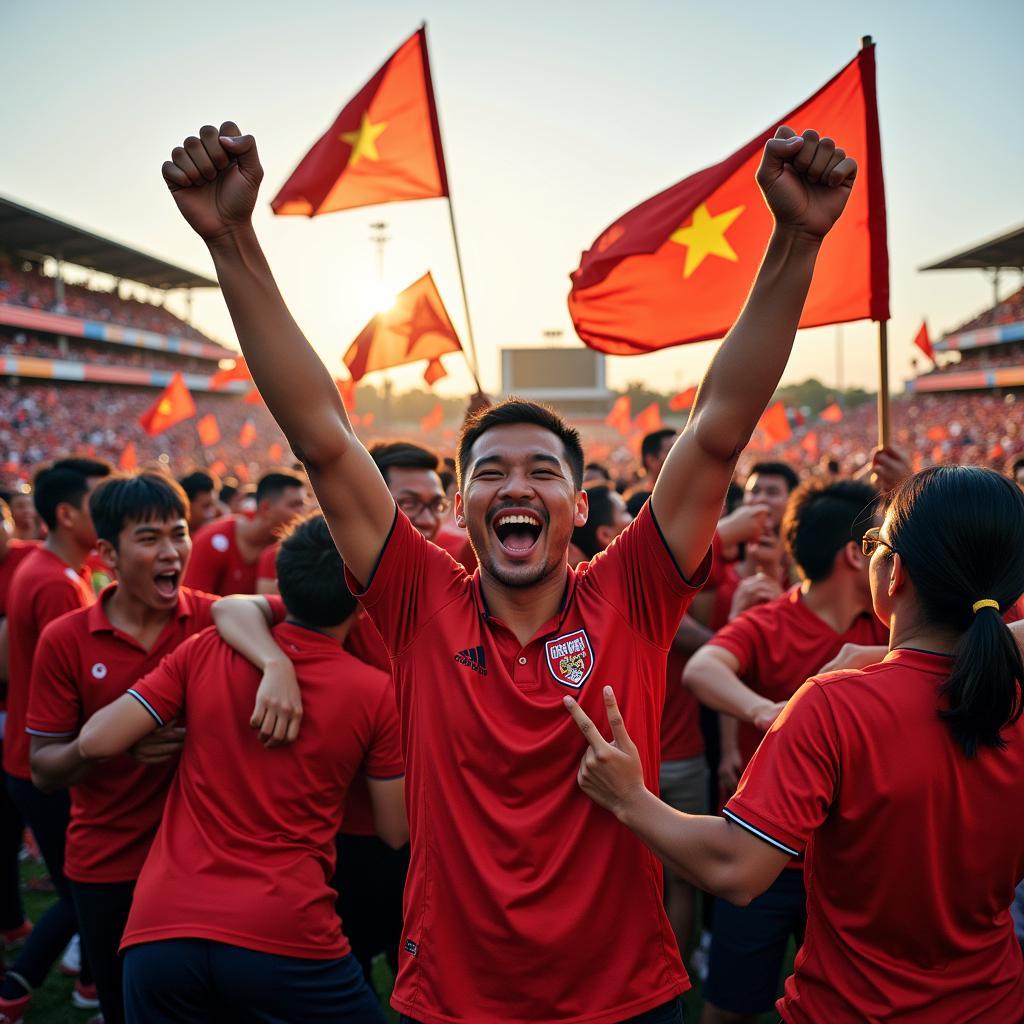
pixel 275 452
pixel 247 434
pixel 923 342
pixel 683 401
pixel 775 424
pixel 384 147
pixel 677 268
pixel 433 420
pixel 832 414
pixel 434 372
pixel 208 430
pixel 253 397
pixel 222 378
pixel 809 443
pixel 416 327
pixel 129 458
pixel 173 406
pixel 347 389
pixel 621 414
pixel 648 419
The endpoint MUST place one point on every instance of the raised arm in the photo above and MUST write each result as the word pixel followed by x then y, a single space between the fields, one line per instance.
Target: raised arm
pixel 215 179
pixel 806 182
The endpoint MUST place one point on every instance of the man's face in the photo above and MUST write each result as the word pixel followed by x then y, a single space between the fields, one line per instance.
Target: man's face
pixel 653 463
pixel 150 560
pixel 520 503
pixel 620 520
pixel 23 511
pixel 202 510
pixel 79 522
pixel 280 510
pixel 765 489
pixel 419 494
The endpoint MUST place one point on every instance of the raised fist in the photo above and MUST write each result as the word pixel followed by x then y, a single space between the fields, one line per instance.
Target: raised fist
pixel 215 179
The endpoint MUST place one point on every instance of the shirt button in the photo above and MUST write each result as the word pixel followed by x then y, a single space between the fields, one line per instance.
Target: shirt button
pixel 522 661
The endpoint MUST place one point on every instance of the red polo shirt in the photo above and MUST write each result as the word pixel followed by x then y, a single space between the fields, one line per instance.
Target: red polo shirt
pixel 16 551
pixel 216 565
pixel 246 847
pixel 266 564
pixel 44 587
pixel 913 849
pixel 782 643
pixel 681 737
pixel 526 902
pixel 83 664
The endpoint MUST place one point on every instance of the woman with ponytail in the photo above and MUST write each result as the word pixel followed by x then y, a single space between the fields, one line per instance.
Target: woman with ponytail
pixel 900 784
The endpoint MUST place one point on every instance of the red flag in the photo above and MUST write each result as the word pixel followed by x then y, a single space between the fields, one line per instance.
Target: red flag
pixel 347 388
pixel 129 458
pixel 833 414
pixel 799 419
pixel 433 419
pixel 775 424
pixel 434 372
pixel 809 443
pixel 253 397
pixel 209 431
pixel 683 401
pixel 385 146
pixel 416 327
pixel 923 342
pixel 224 377
pixel 247 434
pixel 677 268
pixel 621 414
pixel 173 406
pixel 275 452
pixel 937 433
pixel 648 420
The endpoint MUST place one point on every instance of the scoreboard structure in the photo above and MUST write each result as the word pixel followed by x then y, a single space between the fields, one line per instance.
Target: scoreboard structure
pixel 571 379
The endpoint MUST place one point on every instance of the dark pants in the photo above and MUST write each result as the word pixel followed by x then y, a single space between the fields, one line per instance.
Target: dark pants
pixel 672 1012
pixel 102 910
pixel 47 815
pixel 370 880
pixel 12 913
pixel 195 981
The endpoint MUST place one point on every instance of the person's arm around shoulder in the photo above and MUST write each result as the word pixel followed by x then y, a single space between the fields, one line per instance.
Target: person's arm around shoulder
pixel 214 178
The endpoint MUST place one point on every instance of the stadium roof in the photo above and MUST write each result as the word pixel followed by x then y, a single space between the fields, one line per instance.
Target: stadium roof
pixel 1005 251
pixel 33 235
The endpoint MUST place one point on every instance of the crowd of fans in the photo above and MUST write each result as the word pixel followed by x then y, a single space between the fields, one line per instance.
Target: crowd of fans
pixel 21 344
pixel 1009 311
pixel 991 357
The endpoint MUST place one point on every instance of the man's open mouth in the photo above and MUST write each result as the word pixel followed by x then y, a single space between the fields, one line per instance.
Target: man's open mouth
pixel 517 531
pixel 167 583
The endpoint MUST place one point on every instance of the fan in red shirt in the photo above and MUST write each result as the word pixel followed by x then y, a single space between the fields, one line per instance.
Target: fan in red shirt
pixel 233 916
pixel 28 525
pixel 47 584
pixel 200 487
pixel 226 553
pixel 86 660
pixel 893 781
pixel 507 912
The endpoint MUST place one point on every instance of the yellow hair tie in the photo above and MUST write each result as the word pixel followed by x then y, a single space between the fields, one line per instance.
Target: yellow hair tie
pixel 986 603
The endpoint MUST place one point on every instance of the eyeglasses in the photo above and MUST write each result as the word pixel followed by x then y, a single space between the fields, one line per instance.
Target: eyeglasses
pixel 872 539
pixel 412 507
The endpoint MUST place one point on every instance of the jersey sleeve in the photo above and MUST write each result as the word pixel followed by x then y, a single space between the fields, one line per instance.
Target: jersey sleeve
pixel 412 582
pixel 384 755
pixel 790 784
pixel 638 574
pixel 740 638
pixel 162 691
pixel 55 701
pixel 206 566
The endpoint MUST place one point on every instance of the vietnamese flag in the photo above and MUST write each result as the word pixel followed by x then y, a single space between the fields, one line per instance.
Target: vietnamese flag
pixel 173 406
pixel 775 424
pixel 923 342
pixel 677 268
pixel 384 147
pixel 129 458
pixel 434 372
pixel 810 443
pixel 621 414
pixel 648 420
pixel 208 430
pixel 253 397
pixel 683 401
pixel 433 420
pixel 416 327
pixel 833 414
pixel 224 377
pixel 247 434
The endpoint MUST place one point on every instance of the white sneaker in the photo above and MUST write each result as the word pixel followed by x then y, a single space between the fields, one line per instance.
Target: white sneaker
pixel 71 962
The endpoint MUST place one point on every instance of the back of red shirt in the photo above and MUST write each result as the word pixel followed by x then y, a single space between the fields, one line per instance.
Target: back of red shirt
pixel 216 565
pixel 246 847
pixel 16 551
pixel 44 587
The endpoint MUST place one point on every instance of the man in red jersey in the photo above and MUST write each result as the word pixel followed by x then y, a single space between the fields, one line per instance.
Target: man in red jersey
pixel 749 670
pixel 507 912
pixel 226 554
pixel 232 916
pixel 86 660
pixel 27 523
pixel 200 487
pixel 46 584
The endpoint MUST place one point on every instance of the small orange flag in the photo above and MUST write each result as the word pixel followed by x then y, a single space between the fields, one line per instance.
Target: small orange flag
pixel 433 420
pixel 253 397
pixel 923 342
pixel 684 400
pixel 247 434
pixel 648 420
pixel 208 430
pixel 173 406
pixel 129 458
pixel 347 389
pixel 385 146
pixel 775 424
pixel 416 327
pixel 275 452
pixel 434 372
pixel 809 443
pixel 621 414
pixel 224 377
pixel 833 414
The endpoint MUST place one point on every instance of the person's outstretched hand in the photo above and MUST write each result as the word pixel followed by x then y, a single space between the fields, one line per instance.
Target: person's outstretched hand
pixel 215 179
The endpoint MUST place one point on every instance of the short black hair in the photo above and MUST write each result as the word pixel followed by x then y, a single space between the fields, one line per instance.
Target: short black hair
pixel 142 498
pixel 311 575
pixel 597 467
pixel 782 469
pixel 198 481
pixel 519 410
pixel 650 446
pixel 635 501
pixel 821 519
pixel 403 455
pixel 601 513
pixel 65 482
pixel 228 489
pixel 276 482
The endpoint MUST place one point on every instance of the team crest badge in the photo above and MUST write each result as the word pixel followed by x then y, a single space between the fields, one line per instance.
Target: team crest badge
pixel 570 658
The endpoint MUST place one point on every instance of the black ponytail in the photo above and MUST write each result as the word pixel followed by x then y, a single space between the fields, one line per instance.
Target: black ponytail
pixel 960 533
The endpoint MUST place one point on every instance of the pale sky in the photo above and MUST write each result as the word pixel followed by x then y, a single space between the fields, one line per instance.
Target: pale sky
pixel 557 118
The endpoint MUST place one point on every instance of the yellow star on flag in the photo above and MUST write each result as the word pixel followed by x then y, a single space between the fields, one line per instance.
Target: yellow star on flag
pixel 165 406
pixel 705 236
pixel 364 141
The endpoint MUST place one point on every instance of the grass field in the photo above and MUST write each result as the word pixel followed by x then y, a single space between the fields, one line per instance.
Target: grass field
pixel 52 1002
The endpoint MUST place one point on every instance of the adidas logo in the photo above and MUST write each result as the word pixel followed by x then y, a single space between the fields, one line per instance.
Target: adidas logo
pixel 473 657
